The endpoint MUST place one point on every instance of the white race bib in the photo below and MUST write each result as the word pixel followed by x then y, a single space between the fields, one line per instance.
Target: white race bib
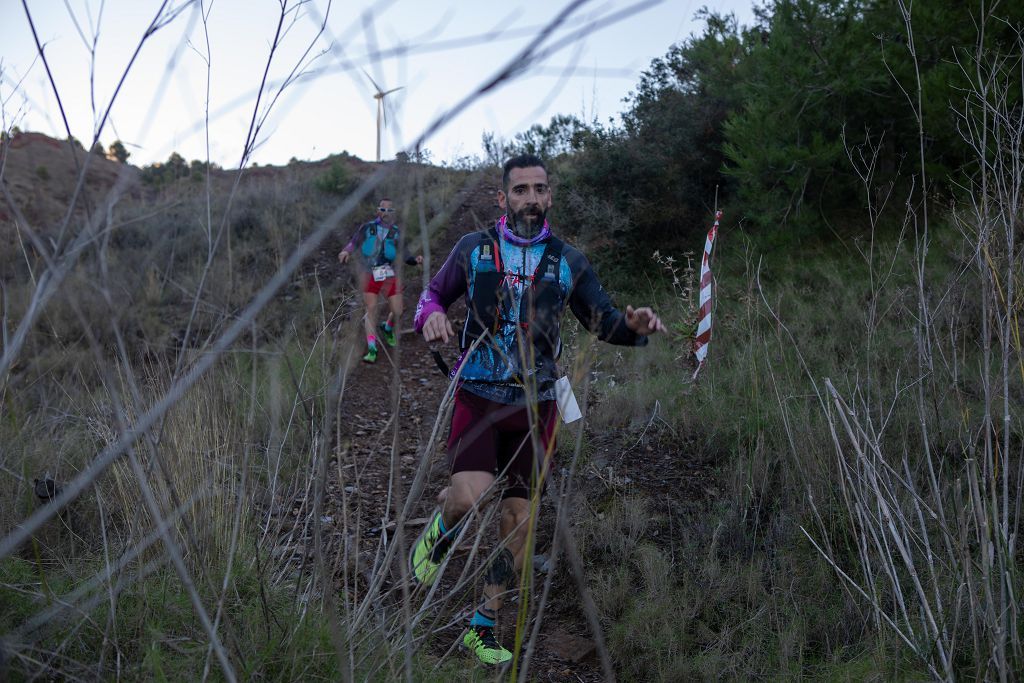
pixel 381 273
pixel 566 401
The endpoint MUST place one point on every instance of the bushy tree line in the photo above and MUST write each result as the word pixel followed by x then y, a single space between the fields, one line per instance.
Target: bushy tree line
pixel 764 116
pixel 175 168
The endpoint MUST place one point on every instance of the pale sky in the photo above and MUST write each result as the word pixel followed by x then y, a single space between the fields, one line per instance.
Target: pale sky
pixel 439 52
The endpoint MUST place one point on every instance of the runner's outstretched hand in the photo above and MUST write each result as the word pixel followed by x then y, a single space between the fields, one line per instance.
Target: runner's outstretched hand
pixel 642 321
pixel 343 256
pixel 438 327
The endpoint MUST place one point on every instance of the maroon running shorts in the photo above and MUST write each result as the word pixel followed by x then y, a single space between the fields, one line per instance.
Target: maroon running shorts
pixel 494 437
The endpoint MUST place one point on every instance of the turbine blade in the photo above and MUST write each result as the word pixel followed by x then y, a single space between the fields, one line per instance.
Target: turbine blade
pixel 374 83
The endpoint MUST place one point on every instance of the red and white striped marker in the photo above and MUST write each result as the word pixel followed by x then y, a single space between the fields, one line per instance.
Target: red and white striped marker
pixel 703 336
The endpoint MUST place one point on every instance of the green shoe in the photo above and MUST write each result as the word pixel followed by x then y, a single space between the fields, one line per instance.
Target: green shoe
pixel 388 335
pixel 371 355
pixel 480 641
pixel 428 552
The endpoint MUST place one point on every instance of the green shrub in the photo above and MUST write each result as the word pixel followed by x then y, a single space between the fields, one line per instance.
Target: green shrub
pixel 118 152
pixel 337 180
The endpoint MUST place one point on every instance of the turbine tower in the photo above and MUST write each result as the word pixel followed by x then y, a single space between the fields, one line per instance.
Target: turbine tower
pixel 381 109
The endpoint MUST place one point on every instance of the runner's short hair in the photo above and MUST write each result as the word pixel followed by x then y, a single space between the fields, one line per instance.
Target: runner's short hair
pixel 521 161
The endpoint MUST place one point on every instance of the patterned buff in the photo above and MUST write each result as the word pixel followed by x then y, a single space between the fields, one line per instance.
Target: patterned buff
pixel 515 239
pixel 703 337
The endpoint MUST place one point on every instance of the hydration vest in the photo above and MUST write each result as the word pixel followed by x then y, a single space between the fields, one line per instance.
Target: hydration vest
pixel 541 305
pixel 374 253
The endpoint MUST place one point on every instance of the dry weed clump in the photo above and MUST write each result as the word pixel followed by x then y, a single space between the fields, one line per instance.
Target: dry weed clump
pixel 682 279
pixel 931 503
pixel 202 455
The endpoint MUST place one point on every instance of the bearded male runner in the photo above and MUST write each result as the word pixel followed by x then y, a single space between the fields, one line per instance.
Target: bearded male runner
pixel 517 279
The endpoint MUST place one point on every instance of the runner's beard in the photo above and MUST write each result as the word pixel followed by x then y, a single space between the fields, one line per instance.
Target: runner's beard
pixel 527 223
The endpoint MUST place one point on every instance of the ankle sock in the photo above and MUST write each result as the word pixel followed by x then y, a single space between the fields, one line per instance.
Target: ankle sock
pixel 481 619
pixel 388 327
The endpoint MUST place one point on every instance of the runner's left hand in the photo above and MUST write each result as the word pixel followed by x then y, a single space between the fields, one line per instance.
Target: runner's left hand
pixel 643 320
pixel 438 327
pixel 419 260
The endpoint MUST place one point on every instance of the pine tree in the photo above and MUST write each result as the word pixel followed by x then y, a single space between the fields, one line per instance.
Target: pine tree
pixel 117 151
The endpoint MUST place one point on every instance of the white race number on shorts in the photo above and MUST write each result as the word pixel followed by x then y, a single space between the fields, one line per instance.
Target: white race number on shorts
pixel 382 273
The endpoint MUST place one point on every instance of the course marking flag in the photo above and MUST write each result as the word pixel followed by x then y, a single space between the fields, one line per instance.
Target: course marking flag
pixel 703 336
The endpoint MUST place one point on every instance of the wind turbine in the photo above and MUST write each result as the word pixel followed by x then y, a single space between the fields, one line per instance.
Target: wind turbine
pixel 381 110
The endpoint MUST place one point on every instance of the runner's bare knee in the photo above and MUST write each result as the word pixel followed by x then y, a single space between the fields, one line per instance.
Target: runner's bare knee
pixel 466 490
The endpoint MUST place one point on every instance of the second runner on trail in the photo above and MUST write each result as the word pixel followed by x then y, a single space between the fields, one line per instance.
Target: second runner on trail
pixel 378 244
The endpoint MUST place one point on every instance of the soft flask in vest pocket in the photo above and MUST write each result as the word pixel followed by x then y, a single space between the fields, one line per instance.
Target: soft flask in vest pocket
pixel 542 303
pixel 484 306
pixel 370 245
pixel 542 307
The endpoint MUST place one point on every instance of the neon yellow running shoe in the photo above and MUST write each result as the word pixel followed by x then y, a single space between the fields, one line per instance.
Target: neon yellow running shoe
pixel 480 641
pixel 428 551
pixel 371 355
pixel 389 335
